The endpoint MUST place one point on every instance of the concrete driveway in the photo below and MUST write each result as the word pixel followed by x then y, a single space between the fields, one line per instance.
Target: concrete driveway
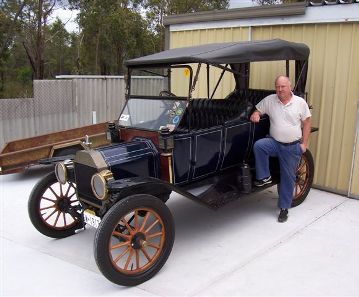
pixel 239 250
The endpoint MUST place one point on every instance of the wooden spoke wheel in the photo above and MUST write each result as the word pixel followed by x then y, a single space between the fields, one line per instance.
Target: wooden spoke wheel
pixel 304 178
pixel 134 239
pixel 52 207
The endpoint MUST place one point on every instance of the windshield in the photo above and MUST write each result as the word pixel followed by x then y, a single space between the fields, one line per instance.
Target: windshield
pixel 152 114
pixel 168 81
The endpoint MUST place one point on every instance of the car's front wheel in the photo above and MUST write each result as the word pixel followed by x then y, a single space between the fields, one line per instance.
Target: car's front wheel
pixel 304 178
pixel 134 239
pixel 53 208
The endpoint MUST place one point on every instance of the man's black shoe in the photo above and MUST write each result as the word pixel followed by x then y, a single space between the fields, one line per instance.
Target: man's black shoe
pixel 263 182
pixel 283 215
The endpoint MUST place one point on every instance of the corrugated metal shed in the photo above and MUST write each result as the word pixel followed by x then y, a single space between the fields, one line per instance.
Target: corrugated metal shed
pixel 68 102
pixel 332 33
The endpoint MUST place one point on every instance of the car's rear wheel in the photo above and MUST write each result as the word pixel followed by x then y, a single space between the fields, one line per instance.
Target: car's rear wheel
pixel 134 240
pixel 53 207
pixel 304 178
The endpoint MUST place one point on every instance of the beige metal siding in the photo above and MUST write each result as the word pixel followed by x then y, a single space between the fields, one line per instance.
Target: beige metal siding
pixel 197 37
pixel 333 88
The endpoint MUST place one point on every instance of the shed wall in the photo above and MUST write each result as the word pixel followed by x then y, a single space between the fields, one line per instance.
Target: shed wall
pixel 68 103
pixel 332 86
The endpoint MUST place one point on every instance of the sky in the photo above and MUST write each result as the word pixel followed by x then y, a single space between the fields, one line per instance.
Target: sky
pixel 68 17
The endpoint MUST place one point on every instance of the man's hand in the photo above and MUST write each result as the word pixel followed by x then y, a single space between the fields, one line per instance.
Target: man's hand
pixel 255 117
pixel 307 123
pixel 303 147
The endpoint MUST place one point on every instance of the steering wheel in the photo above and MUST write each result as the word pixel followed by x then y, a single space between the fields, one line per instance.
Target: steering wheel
pixel 167 93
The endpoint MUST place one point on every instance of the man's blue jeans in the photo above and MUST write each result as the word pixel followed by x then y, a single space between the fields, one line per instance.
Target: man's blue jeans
pixel 289 157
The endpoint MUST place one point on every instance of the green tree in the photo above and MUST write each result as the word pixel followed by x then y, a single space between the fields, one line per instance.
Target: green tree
pixel 157 9
pixel 60 50
pixel 34 23
pixel 115 30
pixel 10 11
pixel 28 40
pixel 111 31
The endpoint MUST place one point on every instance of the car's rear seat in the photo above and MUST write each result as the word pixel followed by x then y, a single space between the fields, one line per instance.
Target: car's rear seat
pixel 213 112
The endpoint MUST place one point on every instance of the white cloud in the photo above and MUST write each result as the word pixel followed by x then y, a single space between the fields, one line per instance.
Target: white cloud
pixel 241 3
pixel 67 17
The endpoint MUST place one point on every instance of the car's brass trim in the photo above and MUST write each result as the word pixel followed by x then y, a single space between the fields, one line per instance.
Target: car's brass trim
pixel 104 177
pixel 64 169
pixel 91 158
pixel 170 169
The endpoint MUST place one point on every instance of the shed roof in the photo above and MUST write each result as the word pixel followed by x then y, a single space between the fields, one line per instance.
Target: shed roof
pixel 227 53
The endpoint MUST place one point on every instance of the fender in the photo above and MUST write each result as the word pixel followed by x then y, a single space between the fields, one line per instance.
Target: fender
pixel 121 188
pixel 54 160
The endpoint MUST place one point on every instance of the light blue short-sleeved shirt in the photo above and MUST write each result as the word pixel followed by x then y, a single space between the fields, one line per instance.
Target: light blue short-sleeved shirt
pixel 285 119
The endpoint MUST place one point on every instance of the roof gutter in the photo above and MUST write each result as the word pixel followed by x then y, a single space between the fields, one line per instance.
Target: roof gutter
pixel 297 8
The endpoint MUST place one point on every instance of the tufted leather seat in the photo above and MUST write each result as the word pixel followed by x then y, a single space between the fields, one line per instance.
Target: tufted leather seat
pixel 208 113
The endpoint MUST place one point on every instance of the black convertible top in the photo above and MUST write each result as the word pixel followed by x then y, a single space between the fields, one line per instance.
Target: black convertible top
pixel 227 53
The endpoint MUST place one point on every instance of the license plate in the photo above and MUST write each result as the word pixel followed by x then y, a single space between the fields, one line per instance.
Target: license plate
pixel 91 219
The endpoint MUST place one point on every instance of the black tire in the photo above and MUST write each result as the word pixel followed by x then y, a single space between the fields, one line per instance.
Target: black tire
pixel 128 251
pixel 304 178
pixel 49 205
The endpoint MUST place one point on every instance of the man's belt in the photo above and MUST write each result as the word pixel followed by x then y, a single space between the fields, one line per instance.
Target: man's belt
pixel 289 143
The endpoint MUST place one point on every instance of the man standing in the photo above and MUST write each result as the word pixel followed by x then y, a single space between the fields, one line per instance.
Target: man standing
pixel 290 124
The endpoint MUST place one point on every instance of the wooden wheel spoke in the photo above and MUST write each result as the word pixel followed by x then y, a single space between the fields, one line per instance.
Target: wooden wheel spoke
pixel 116 233
pixel 144 222
pixel 48 199
pixel 52 206
pixel 137 259
pixel 67 191
pixel 136 219
pixel 72 195
pixel 157 247
pixel 129 259
pixel 298 190
pixel 301 182
pixel 146 255
pixel 74 218
pixel 305 175
pixel 154 235
pixel 116 246
pixel 64 215
pixel 123 220
pixel 57 218
pixel 52 190
pixel 301 174
pixel 50 215
pixel 121 255
pixel 152 225
pixel 301 166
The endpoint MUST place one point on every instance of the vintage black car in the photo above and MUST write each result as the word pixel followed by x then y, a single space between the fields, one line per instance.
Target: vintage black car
pixel 162 143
